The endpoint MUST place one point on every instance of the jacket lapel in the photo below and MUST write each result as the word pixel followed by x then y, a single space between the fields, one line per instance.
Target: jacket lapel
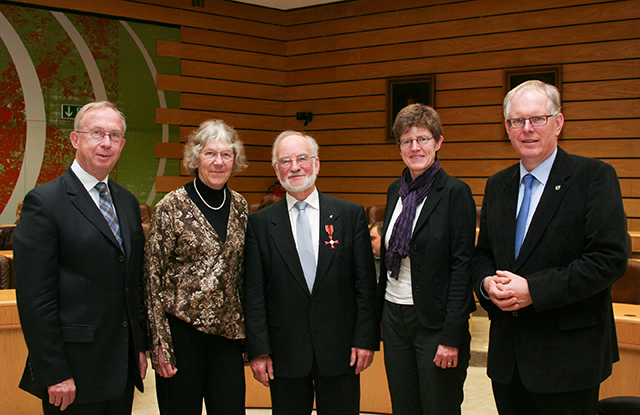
pixel 282 236
pixel 507 205
pixel 552 196
pixel 432 200
pixel 329 216
pixel 81 199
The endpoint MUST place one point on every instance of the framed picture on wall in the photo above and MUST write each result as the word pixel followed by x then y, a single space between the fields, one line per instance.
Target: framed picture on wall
pixel 549 74
pixel 408 90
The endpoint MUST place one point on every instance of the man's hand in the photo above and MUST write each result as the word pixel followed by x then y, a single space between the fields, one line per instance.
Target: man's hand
pixel 166 370
pixel 62 394
pixel 142 364
pixel 361 358
pixel 496 289
pixel 518 287
pixel 262 368
pixel 446 357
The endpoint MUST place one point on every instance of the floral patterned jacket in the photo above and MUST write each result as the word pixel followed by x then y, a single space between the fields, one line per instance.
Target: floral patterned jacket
pixel 191 274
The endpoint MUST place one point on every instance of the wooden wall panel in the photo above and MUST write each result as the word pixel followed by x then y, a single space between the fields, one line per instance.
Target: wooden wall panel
pixel 232 72
pixel 219 55
pixel 232 41
pixel 255 68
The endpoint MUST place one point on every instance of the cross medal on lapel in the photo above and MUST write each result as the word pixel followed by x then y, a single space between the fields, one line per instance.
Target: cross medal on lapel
pixel 329 229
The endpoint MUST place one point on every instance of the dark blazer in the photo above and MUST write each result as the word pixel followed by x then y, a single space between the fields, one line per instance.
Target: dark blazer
pixel 574 250
pixel 79 296
pixel 441 250
pixel 286 321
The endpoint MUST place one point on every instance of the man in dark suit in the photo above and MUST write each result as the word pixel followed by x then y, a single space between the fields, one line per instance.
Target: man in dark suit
pixel 550 247
pixel 79 278
pixel 309 290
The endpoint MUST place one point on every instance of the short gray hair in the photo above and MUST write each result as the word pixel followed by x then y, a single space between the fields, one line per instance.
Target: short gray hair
pixel 219 131
pixel 312 143
pixel 553 103
pixel 77 122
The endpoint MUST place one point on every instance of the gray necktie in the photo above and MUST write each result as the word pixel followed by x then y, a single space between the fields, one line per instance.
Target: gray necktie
pixel 305 245
pixel 109 213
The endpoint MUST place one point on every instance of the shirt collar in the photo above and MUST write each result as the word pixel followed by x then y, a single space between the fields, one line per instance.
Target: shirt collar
pixel 313 200
pixel 541 171
pixel 87 180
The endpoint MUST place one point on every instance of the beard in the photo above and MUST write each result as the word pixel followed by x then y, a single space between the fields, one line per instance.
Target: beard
pixel 308 183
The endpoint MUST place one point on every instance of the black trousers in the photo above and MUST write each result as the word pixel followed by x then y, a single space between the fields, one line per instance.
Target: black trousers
pixel 417 386
pixel 209 367
pixel 515 399
pixel 339 395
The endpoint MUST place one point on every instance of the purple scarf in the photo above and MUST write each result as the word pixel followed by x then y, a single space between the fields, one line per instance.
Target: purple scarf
pixel 412 192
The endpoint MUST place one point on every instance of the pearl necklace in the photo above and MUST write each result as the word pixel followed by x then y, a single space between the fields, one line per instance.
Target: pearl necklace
pixel 224 199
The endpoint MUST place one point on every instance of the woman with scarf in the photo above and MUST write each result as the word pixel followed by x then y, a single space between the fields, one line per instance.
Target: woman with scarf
pixel 425 291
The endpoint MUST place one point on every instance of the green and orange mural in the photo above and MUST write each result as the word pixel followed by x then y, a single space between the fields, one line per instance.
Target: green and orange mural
pixel 49 59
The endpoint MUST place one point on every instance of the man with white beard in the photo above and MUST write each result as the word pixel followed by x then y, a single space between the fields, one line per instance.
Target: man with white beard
pixel 309 290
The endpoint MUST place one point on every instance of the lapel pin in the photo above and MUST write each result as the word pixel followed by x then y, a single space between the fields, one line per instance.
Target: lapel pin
pixel 558 187
pixel 330 216
pixel 329 229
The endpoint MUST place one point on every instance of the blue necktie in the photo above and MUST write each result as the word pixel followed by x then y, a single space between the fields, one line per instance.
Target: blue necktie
pixel 109 213
pixel 521 221
pixel 305 245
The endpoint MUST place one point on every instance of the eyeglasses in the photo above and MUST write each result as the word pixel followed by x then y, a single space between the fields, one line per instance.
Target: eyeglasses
pixel 423 141
pixel 98 135
pixel 225 155
pixel 536 121
pixel 302 160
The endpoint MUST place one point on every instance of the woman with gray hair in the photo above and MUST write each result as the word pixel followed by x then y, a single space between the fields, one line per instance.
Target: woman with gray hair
pixel 193 275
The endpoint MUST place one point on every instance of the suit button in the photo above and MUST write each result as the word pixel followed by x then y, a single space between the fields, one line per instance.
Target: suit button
pixel 121 259
pixel 310 303
pixel 515 314
pixel 417 288
pixel 126 290
pixel 125 324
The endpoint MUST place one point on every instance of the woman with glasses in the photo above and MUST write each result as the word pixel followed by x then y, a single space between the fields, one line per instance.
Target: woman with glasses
pixel 193 274
pixel 425 290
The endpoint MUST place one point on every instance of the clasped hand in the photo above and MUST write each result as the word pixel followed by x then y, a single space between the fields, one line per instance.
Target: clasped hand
pixel 510 292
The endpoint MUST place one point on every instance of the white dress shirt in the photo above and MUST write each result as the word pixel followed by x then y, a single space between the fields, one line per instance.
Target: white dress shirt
pixel 313 213
pixel 89 182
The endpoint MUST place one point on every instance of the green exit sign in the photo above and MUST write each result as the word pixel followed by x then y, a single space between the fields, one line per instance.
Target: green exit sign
pixel 68 111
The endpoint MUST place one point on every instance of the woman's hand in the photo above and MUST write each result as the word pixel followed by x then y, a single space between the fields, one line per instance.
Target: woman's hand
pixel 446 357
pixel 166 370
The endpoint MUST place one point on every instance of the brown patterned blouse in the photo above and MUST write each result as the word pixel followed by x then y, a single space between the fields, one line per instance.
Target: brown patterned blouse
pixel 191 274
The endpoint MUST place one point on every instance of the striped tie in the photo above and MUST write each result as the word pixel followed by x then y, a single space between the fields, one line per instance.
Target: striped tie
pixel 109 213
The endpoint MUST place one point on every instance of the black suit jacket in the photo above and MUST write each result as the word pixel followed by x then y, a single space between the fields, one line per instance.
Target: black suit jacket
pixel 286 321
pixel 574 250
pixel 79 296
pixel 441 250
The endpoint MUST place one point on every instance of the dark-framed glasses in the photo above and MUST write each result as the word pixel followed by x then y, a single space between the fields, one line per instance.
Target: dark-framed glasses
pixel 98 135
pixel 408 142
pixel 302 160
pixel 536 121
pixel 210 154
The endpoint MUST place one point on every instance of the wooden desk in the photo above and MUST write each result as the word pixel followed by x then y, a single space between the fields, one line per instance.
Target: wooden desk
pixel 625 379
pixel 13 354
pixel 374 396
pixel 635 242
pixel 8 254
